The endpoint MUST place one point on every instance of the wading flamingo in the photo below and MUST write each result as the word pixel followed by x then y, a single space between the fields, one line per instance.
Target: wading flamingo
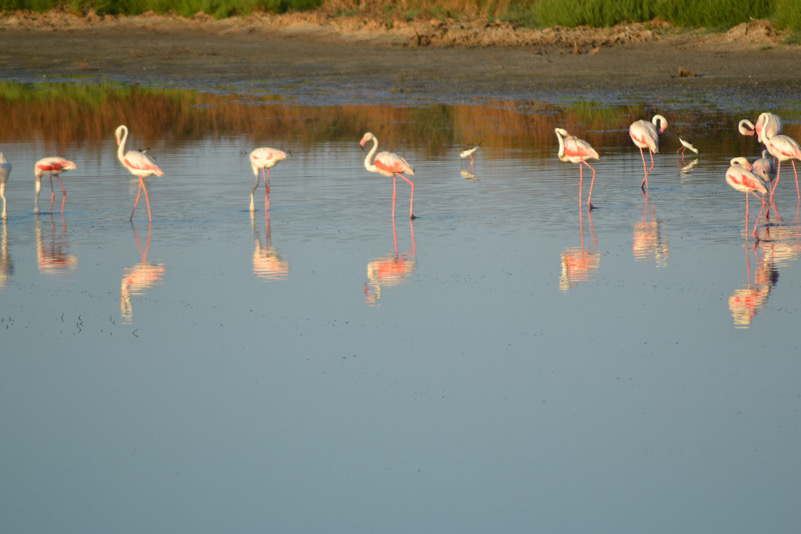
pixel 784 148
pixel 137 163
pixel 646 135
pixel 765 168
pixel 388 164
pixel 767 125
pixel 740 177
pixel 264 158
pixel 5 170
pixel 52 166
pixel 574 150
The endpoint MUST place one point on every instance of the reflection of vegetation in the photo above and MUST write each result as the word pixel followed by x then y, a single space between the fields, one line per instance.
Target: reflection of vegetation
pixel 70 114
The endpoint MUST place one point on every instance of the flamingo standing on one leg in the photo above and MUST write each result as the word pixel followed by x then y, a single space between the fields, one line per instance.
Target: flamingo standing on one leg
pixel 646 135
pixel 52 166
pixel 388 164
pixel 740 177
pixel 5 170
pixel 264 158
pixel 137 163
pixel 767 125
pixel 575 150
pixel 784 148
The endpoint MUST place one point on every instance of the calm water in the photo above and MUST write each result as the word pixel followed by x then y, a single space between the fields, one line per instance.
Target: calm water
pixel 506 362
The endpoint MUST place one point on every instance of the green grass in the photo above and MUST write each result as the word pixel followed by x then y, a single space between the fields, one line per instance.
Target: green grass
pixel 711 14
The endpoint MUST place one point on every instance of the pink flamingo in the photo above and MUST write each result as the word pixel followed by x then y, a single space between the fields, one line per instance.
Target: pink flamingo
pixel 388 164
pixel 740 177
pixel 264 158
pixel 784 148
pixel 138 163
pixel 575 150
pixel 767 126
pixel 52 166
pixel 5 170
pixel 765 168
pixel 646 135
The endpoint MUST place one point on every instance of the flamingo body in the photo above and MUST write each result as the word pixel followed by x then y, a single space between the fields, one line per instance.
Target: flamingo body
pixel 5 171
pixel 51 166
pixel 740 177
pixel 765 168
pixel 388 164
pixel 138 163
pixel 261 159
pixel 784 148
pixel 645 134
pixel 575 150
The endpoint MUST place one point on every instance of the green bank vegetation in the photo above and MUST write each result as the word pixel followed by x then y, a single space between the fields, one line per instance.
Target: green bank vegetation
pixel 713 14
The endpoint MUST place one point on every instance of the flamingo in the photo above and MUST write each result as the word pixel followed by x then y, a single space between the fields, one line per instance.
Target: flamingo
pixel 740 177
pixel 767 126
pixel 264 158
pixel 646 135
pixel 765 168
pixel 138 163
pixel 574 150
pixel 52 166
pixel 5 170
pixel 784 148
pixel 388 164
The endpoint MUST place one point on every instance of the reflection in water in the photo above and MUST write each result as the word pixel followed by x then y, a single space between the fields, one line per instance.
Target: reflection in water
pixel 579 265
pixel 6 266
pixel 649 243
pixel 53 257
pixel 267 263
pixel 390 271
pixel 745 302
pixel 139 278
pixel 467 175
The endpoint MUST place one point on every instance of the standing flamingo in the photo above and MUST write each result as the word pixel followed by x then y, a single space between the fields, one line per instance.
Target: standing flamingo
pixel 765 168
pixel 646 135
pixel 468 153
pixel 264 158
pixel 784 148
pixel 740 177
pixel 5 170
pixel 137 163
pixel 574 150
pixel 388 164
pixel 767 126
pixel 52 166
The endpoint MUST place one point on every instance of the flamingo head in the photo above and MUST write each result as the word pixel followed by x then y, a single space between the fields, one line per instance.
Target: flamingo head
pixel 561 132
pixel 746 127
pixel 366 139
pixel 742 162
pixel 661 123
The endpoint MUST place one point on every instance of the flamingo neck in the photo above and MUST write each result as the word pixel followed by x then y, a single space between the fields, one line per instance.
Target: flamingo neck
pixel 368 164
pixel 121 147
pixel 561 153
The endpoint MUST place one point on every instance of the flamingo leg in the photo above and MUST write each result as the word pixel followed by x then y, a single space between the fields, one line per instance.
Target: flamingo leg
pixel 52 193
pixel 592 182
pixel 644 183
pixel 411 200
pixel 252 191
pixel 581 179
pixel 394 189
pixel 36 198
pixel 63 193
pixel 138 193
pixel 266 198
pixel 149 218
pixel 757 218
pixel 797 192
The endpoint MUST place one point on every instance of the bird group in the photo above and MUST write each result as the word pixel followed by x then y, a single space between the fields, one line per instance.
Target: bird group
pixel 750 178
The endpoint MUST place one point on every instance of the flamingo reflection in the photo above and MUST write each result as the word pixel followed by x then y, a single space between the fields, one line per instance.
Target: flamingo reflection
pixel 746 302
pixel 267 263
pixel 649 243
pixel 390 271
pixel 53 256
pixel 6 266
pixel 139 278
pixel 579 264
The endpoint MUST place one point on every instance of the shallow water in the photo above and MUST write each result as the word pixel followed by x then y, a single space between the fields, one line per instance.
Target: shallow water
pixel 505 361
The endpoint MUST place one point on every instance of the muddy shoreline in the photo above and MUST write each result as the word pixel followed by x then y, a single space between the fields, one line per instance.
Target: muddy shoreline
pixel 303 58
